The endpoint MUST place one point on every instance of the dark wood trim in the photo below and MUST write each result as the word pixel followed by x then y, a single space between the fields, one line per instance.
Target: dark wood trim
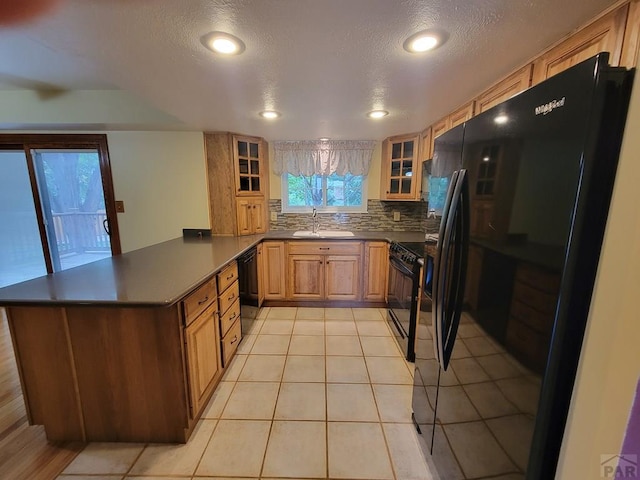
pixel 109 196
pixel 38 207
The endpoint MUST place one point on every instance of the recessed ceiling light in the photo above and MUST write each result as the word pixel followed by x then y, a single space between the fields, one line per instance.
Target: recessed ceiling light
pixel 324 139
pixel 500 119
pixel 486 159
pixel 269 114
pixel 424 41
pixel 377 114
pixel 223 43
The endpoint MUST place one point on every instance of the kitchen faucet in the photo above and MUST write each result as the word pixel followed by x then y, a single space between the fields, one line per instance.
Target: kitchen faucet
pixel 314 214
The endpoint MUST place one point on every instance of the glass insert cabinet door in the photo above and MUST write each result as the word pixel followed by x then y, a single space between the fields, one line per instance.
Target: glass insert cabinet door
pixel 402 168
pixel 248 155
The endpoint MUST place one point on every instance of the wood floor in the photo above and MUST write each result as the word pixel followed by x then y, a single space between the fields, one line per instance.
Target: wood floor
pixel 24 450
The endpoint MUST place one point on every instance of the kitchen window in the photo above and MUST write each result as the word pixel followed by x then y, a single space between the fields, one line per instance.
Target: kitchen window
pixel 329 175
pixel 327 193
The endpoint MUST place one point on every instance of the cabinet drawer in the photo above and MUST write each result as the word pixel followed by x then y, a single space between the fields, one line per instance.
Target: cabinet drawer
pixel 324 248
pixel 542 301
pixel 196 302
pixel 229 317
pixel 226 298
pixel 541 322
pixel 538 278
pixel 230 343
pixel 227 276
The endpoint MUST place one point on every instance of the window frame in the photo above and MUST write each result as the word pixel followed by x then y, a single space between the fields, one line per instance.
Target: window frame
pixel 286 208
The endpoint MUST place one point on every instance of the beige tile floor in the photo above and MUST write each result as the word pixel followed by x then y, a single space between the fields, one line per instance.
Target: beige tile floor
pixel 311 393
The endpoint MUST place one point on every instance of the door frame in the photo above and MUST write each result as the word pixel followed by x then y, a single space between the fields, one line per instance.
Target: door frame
pixel 33 141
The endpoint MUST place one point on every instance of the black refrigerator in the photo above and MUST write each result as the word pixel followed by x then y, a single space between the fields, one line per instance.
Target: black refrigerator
pixel 528 189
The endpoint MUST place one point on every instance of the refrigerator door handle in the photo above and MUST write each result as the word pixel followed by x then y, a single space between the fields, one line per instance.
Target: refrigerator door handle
pixel 439 279
pixel 460 247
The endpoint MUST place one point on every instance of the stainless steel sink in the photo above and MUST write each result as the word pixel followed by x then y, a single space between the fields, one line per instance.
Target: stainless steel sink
pixel 323 233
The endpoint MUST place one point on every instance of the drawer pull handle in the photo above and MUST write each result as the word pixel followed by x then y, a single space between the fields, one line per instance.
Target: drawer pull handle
pixel 233 316
pixel 324 248
pixel 230 277
pixel 204 300
pixel 235 339
pixel 233 295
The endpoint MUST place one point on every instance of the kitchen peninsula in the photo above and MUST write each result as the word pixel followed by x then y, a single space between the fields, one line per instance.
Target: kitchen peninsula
pixel 128 349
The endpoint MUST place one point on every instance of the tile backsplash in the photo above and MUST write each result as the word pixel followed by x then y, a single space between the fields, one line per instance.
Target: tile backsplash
pixel 379 217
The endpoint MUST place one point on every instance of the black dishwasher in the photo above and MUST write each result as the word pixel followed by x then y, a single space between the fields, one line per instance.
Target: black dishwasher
pixel 248 286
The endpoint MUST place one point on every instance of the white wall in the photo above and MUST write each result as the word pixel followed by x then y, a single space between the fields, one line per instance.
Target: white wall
pixel 610 363
pixel 161 178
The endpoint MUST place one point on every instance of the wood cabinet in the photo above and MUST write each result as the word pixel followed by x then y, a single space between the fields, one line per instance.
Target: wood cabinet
pixel 401 168
pixel 604 35
pixel 631 42
pixel 229 308
pixel 274 272
pixel 455 118
pixel 306 277
pixel 251 216
pixel 248 165
pixel 376 271
pixel 202 339
pixel 237 171
pixel 203 360
pixel 505 89
pixel 324 271
pixel 260 253
pixel 425 145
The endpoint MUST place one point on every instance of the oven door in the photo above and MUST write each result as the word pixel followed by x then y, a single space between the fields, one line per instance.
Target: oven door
pixel 400 297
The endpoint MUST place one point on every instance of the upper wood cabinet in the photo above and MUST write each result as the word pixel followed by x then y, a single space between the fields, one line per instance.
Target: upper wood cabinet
pixel 251 215
pixel 425 145
pixel 505 89
pixel 603 35
pixel 631 43
pixel 401 168
pixel 237 179
pixel 248 158
pixel 454 119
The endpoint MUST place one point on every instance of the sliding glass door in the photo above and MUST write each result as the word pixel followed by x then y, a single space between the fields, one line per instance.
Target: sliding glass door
pixel 21 253
pixel 58 208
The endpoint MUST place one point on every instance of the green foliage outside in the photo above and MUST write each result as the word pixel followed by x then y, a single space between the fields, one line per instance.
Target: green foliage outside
pixel 331 191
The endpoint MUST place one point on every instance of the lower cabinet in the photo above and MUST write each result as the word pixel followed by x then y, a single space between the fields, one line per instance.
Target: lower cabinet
pixel 306 277
pixel 274 272
pixel 203 359
pixel 342 277
pixel 376 268
pixel 229 307
pixel 251 215
pixel 324 270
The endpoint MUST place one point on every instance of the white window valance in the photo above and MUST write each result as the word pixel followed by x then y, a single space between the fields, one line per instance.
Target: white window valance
pixel 317 157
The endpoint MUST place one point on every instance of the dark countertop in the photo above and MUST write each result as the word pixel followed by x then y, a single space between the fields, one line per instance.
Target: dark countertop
pixel 158 275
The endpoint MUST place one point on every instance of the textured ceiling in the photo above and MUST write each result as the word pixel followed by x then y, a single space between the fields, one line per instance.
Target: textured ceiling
pixel 321 63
